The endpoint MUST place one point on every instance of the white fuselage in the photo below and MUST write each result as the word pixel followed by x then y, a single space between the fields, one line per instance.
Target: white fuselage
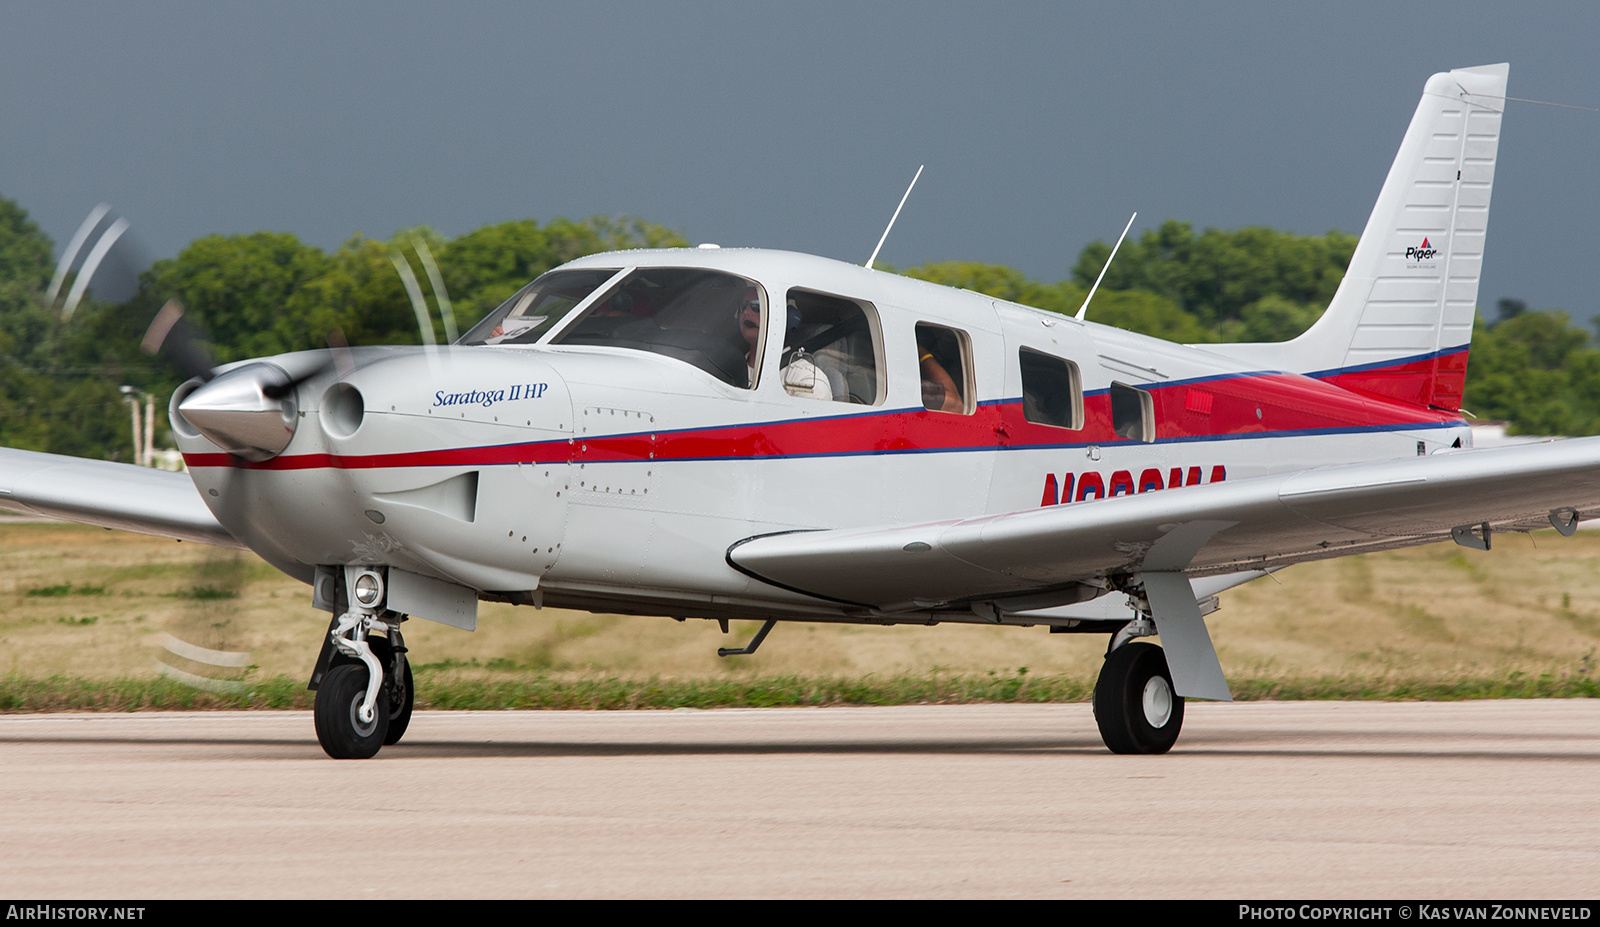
pixel 617 479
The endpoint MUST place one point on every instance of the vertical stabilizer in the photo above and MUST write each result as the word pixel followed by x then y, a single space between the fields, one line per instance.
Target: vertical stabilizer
pixel 1401 322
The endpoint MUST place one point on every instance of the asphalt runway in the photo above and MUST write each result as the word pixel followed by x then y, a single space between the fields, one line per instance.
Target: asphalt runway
pixel 1427 801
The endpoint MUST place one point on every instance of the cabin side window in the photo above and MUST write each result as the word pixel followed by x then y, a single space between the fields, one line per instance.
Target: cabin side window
pixel 702 317
pixel 944 364
pixel 1052 390
pixel 1133 413
pixel 831 349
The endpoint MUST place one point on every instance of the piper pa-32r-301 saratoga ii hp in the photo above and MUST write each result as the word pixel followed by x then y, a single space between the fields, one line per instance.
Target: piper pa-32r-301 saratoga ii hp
pixel 729 433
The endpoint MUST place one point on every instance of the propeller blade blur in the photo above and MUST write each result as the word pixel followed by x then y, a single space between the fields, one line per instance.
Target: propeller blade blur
pixel 171 337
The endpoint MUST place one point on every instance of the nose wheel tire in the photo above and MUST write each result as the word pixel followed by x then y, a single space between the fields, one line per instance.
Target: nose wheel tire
pixel 1135 705
pixel 340 730
pixel 399 709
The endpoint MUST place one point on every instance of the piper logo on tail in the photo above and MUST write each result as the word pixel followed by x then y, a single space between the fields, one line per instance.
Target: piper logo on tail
pixel 1425 252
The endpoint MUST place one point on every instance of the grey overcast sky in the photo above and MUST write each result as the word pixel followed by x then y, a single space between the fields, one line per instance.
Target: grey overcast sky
pixel 789 125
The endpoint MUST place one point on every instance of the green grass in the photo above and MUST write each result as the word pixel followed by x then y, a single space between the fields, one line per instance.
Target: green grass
pixel 65 589
pixel 446 690
pixel 66 693
pixel 204 593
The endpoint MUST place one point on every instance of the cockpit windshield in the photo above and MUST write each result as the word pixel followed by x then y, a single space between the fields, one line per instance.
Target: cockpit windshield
pixel 710 319
pixel 537 307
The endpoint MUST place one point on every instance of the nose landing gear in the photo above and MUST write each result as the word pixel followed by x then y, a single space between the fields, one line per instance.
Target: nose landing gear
pixel 363 680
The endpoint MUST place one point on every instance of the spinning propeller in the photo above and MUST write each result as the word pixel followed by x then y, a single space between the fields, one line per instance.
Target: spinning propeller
pixel 249 411
pixel 205 644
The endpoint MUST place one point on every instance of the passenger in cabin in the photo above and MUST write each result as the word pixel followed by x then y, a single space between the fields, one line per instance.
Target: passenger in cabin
pixel 939 390
pixel 800 374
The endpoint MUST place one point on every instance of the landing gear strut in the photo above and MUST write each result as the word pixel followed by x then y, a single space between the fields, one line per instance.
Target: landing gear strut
pixel 1135 705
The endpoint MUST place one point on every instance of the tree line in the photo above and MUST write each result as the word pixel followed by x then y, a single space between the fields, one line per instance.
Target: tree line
pixel 268 292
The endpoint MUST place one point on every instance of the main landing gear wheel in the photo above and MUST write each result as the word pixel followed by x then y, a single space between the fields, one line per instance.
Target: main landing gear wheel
pixel 1134 702
pixel 340 730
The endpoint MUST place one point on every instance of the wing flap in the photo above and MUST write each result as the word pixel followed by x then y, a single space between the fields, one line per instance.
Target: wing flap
pixel 1251 524
pixel 111 495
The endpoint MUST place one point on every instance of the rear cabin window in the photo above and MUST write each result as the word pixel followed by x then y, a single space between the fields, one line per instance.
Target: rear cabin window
pixel 1052 391
pixel 944 363
pixel 1133 413
pixel 702 317
pixel 831 349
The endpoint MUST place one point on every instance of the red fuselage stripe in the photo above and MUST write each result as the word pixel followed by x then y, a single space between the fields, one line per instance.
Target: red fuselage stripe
pixel 1225 407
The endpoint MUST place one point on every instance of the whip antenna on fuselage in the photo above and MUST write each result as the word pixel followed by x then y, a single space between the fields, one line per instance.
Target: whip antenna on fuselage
pixel 894 217
pixel 1113 256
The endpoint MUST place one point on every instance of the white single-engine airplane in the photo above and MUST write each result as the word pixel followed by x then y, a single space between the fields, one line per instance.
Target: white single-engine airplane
pixel 731 433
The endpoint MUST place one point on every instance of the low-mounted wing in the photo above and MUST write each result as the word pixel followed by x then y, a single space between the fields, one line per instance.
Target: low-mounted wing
pixel 1039 558
pixel 111 495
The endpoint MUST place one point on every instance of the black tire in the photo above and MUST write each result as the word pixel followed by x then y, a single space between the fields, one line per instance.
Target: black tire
pixel 400 709
pixel 339 727
pixel 1135 704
